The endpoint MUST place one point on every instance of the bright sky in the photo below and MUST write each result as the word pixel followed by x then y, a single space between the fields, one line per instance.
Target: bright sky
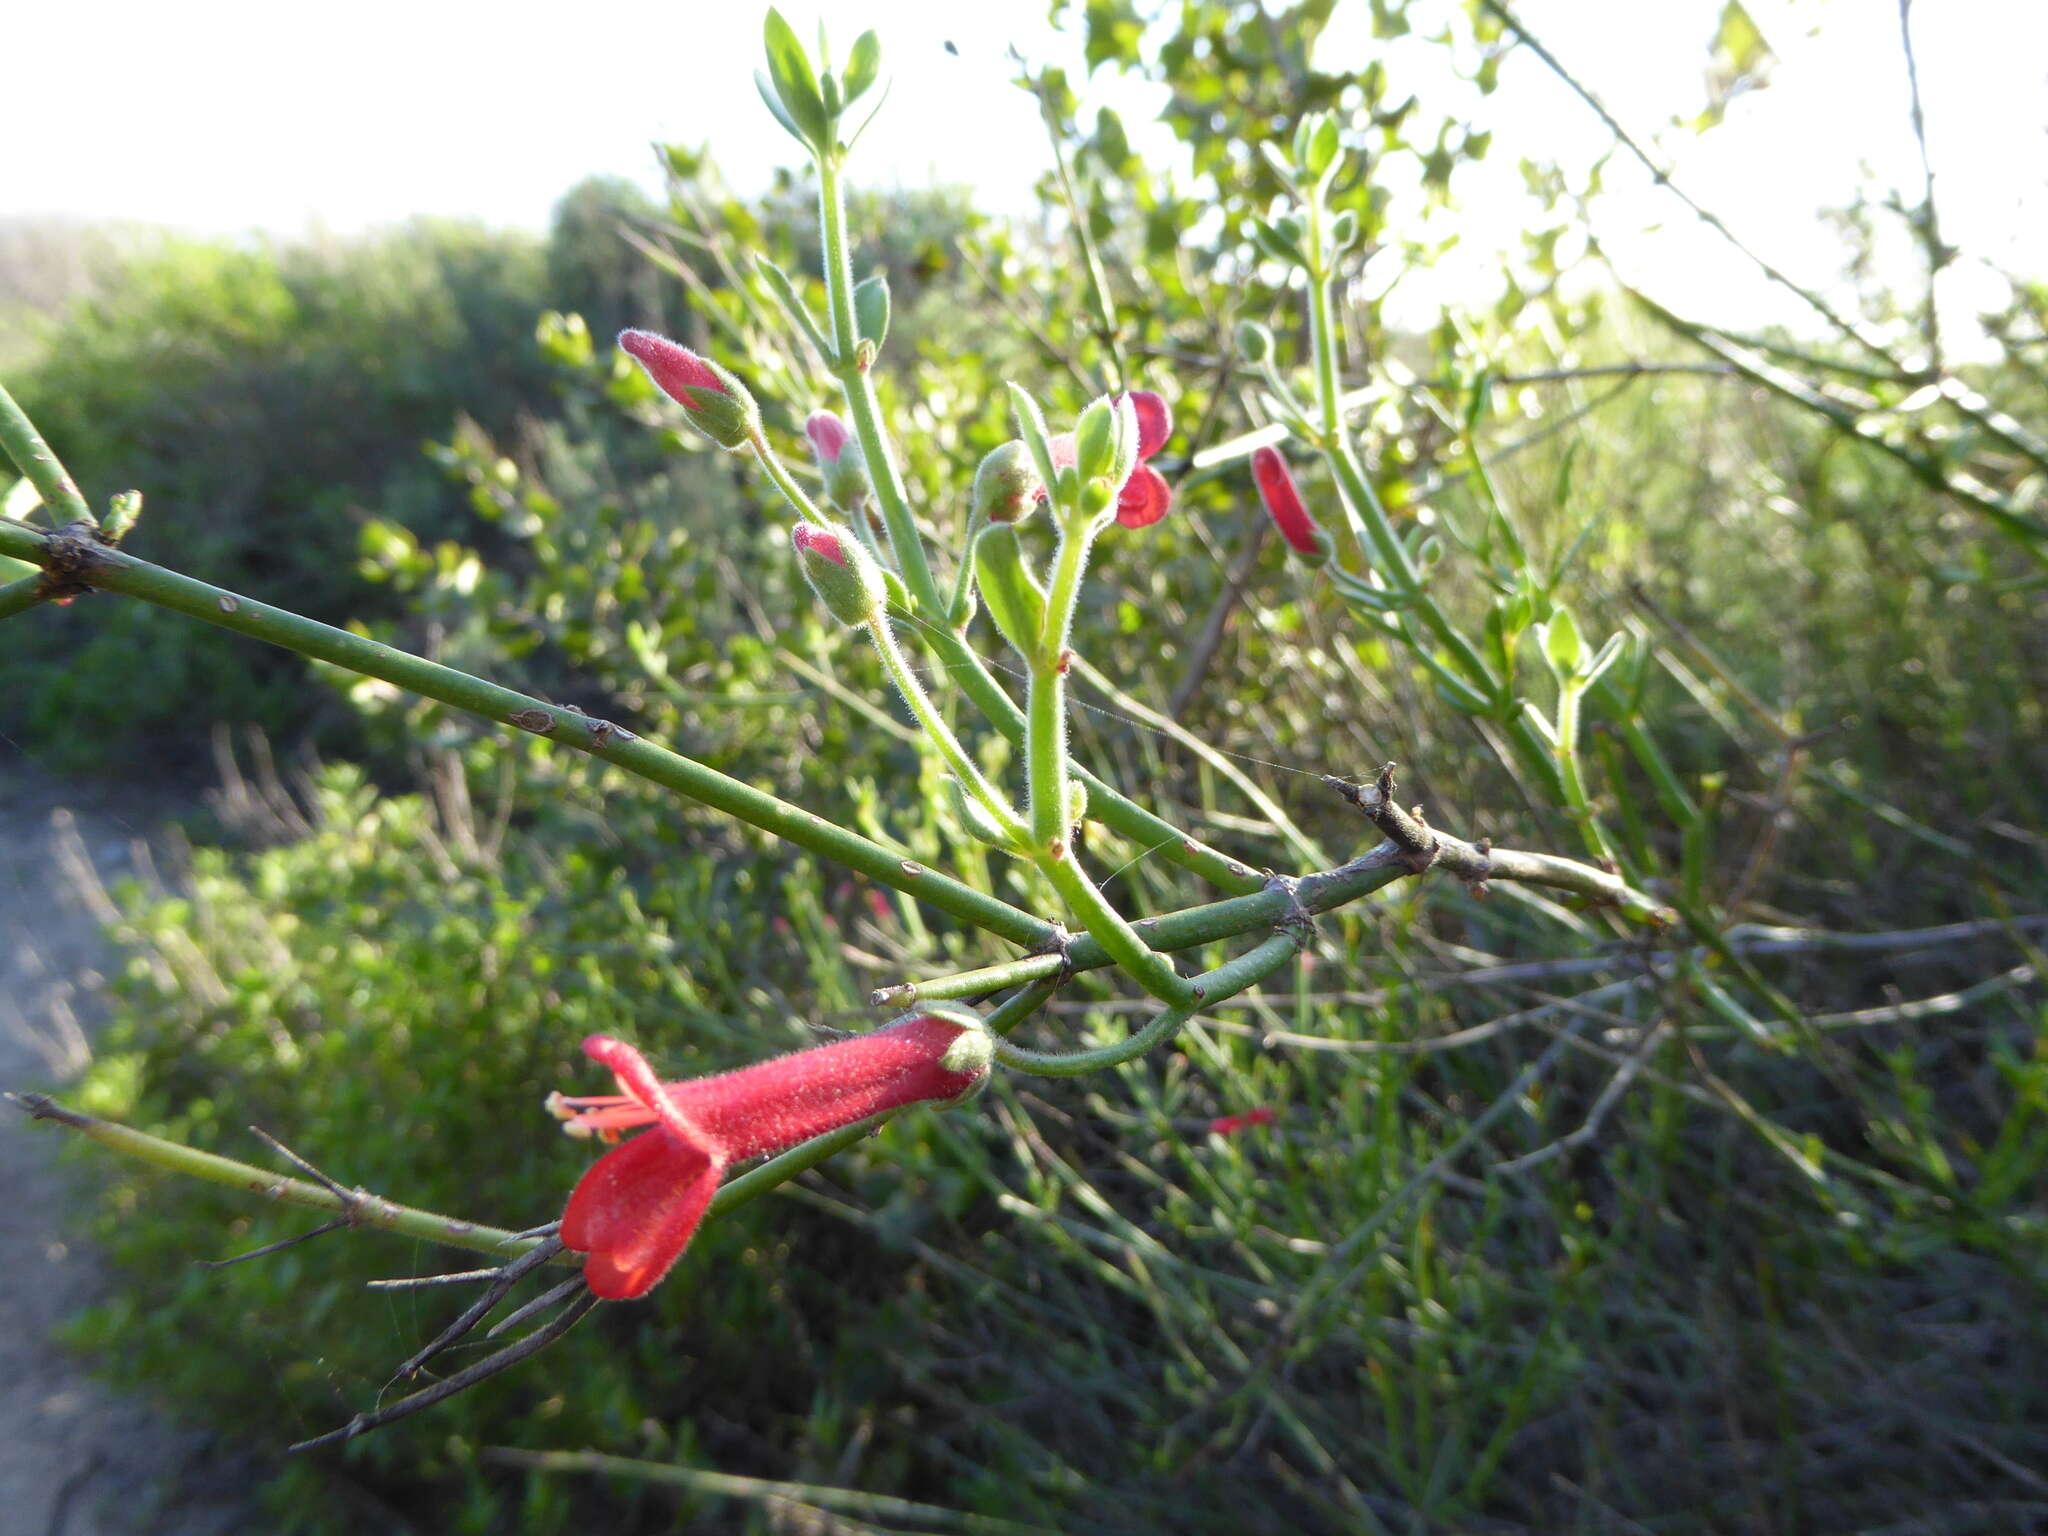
pixel 225 116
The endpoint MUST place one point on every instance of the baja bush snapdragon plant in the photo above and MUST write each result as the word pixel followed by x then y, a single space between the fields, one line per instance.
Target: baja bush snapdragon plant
pixel 1030 519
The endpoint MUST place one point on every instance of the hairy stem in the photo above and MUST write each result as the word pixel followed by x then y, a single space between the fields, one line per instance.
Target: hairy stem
pixel 938 732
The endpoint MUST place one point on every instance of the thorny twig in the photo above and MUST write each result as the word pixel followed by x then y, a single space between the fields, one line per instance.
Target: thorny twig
pixel 532 1344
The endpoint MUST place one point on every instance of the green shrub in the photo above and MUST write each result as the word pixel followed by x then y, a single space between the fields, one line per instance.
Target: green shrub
pixel 263 398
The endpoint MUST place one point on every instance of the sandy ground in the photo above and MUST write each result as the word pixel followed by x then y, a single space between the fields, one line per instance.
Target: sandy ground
pixel 76 1459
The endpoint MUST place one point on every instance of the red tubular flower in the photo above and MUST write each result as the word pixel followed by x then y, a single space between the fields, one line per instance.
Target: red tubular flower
pixel 636 1209
pixel 1283 502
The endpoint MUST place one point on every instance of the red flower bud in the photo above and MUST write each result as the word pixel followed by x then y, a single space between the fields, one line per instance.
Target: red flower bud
pixel 841 571
pixel 829 436
pixel 1283 502
pixel 841 461
pixel 811 539
pixel 717 404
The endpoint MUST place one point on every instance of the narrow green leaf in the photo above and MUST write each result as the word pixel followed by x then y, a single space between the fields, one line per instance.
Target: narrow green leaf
pixel 871 309
pixel 790 70
pixel 781 114
pixel 1012 597
pixel 863 67
pixel 1562 646
pixel 1031 427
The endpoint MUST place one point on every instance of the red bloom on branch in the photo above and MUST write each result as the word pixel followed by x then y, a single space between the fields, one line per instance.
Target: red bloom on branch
pixel 636 1209
pixel 1146 496
pixel 1230 1125
pixel 1283 503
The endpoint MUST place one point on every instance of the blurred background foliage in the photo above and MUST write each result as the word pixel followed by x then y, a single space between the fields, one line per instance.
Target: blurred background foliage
pixel 1771 1288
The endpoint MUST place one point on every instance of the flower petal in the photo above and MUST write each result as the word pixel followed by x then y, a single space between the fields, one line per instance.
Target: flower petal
pixel 1155 421
pixel 635 1211
pixel 1283 501
pixel 1144 499
pixel 639 1080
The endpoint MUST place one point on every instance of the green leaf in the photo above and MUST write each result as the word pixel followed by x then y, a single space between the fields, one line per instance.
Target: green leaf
pixel 1323 147
pixel 1014 599
pixel 1095 439
pixel 871 309
pixel 1112 144
pixel 1604 659
pixel 785 293
pixel 1276 162
pixel 1562 646
pixel 789 68
pixel 1031 427
pixel 781 114
pixel 862 67
pixel 973 815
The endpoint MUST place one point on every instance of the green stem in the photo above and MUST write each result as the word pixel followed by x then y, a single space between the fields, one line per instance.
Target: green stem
pixel 1318 893
pixel 1570 778
pixel 118 572
pixel 366 1211
pixel 792 493
pixel 1045 759
pixel 956 605
pixel 1107 927
pixel 958 661
pixel 860 393
pixel 405 1220
pixel 1045 754
pixel 1322 325
pixel 1020 1005
pixel 1045 728
pixel 32 456
pixel 1391 555
pixel 20 596
pixel 1210 988
pixel 938 732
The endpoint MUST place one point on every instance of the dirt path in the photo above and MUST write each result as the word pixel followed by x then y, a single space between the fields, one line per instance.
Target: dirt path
pixel 76 1459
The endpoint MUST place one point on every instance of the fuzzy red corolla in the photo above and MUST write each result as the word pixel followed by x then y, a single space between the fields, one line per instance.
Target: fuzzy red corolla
pixel 635 1210
pixel 1283 502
